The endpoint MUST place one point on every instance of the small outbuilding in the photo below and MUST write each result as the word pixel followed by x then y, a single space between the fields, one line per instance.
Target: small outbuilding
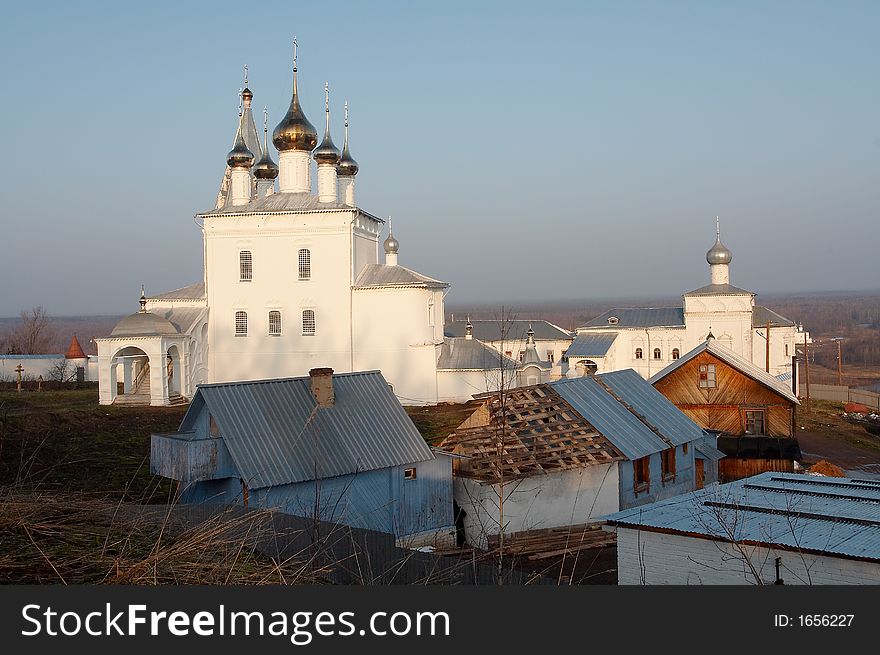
pixel 773 528
pixel 338 447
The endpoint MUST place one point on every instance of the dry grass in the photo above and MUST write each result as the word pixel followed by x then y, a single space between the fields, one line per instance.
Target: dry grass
pixel 82 539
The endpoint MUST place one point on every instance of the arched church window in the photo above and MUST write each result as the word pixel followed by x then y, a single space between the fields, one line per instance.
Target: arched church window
pixel 305 264
pixel 275 323
pixel 245 266
pixel 241 324
pixel 638 353
pixel 675 353
pixel 656 353
pixel 786 350
pixel 308 322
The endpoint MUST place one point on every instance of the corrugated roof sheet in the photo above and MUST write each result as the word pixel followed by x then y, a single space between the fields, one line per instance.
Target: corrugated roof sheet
pixel 590 345
pixel 274 437
pixel 652 406
pixel 760 316
pixel 719 289
pixel 705 450
pixel 509 330
pixel 623 428
pixel 628 317
pixel 286 202
pixel 732 359
pixel 192 292
pixel 837 516
pixel 472 354
pixel 380 275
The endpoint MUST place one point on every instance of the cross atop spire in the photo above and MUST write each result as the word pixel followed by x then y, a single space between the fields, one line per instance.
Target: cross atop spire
pixel 245 75
pixel 240 101
pixel 717 228
pixel 294 53
pixel 143 300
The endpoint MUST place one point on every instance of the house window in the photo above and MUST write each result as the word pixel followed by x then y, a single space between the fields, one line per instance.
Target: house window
pixel 656 353
pixel 684 448
pixel 550 357
pixel 241 324
pixel 308 322
pixel 755 421
pixel 522 355
pixel 409 474
pixel 213 428
pixel 275 323
pixel 508 353
pixel 786 350
pixel 431 311
pixel 305 264
pixel 676 353
pixel 642 473
pixel 707 376
pixel 245 266
pixel 667 463
pixel 639 353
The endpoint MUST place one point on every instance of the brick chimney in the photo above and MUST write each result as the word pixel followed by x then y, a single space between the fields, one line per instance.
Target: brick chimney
pixel 322 386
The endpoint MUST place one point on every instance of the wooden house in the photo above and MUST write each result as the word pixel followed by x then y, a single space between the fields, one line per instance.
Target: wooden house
pixel 753 413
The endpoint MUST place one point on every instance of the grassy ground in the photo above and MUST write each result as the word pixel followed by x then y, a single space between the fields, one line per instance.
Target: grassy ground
pixel 64 440
pixel 436 423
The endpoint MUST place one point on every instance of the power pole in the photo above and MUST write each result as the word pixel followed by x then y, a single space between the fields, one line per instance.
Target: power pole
pixel 767 340
pixel 839 365
pixel 807 363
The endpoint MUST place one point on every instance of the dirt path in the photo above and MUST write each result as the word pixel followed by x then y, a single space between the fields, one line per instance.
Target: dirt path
pixel 818 445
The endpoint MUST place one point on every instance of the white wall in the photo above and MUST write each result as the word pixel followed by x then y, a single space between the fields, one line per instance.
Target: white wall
pixel 677 559
pixel 34 366
pixel 566 497
pixel 458 386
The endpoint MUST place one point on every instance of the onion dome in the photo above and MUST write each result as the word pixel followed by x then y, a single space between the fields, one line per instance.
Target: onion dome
pixel 295 132
pixel 718 254
pixel 143 323
pixel 240 156
pixel 265 169
pixel 530 335
pixel 392 245
pixel 327 153
pixel 347 166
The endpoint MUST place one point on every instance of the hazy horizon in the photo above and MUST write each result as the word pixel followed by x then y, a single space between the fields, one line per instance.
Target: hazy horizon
pixel 568 150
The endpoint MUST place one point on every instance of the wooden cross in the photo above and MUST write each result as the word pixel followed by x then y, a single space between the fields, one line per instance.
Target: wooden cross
pixel 19 369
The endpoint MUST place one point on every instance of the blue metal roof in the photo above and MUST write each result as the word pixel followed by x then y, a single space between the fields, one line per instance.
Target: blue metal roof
pixel 59 356
pixel 605 413
pixel 590 345
pixel 630 317
pixel 837 516
pixel 653 407
pixel 277 435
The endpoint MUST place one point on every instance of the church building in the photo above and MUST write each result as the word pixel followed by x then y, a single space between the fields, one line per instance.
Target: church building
pixel 293 281
pixel 648 339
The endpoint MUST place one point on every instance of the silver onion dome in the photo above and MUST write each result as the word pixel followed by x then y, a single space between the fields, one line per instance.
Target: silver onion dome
pixel 392 245
pixel 719 254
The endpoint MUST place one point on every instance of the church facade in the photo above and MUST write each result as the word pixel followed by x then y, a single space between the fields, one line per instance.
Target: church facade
pixel 293 280
pixel 648 339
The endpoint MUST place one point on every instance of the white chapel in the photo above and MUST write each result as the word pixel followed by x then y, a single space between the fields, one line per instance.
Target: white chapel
pixel 293 280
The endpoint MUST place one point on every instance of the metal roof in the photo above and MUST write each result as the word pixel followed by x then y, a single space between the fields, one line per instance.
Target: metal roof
pixel 652 406
pixel 836 516
pixel 732 359
pixel 760 316
pixel 459 353
pixel 277 435
pixel 705 450
pixel 719 290
pixel 380 275
pixel 603 411
pixel 636 317
pixel 286 202
pixel 590 345
pixel 509 330
pixel 192 292
pixel 48 356
pixel 183 318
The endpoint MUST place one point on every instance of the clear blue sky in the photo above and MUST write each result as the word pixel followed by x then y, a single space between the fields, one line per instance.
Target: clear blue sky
pixel 534 150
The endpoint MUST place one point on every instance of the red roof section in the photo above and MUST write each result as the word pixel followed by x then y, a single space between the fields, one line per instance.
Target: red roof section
pixel 74 351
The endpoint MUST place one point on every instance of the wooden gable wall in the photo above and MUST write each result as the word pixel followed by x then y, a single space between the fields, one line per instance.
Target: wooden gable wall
pixel 723 408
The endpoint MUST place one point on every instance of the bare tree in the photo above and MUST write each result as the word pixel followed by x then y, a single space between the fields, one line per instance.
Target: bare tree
pixel 33 335
pixel 60 371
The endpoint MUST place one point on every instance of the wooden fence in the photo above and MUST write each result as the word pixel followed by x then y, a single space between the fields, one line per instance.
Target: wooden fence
pixel 841 394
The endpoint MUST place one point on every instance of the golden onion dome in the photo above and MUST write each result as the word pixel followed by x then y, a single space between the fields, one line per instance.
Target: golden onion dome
pixel 240 156
pixel 327 152
pixel 347 166
pixel 266 169
pixel 295 132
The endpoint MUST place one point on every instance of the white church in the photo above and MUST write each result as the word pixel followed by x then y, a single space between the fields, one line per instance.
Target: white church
pixel 293 280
